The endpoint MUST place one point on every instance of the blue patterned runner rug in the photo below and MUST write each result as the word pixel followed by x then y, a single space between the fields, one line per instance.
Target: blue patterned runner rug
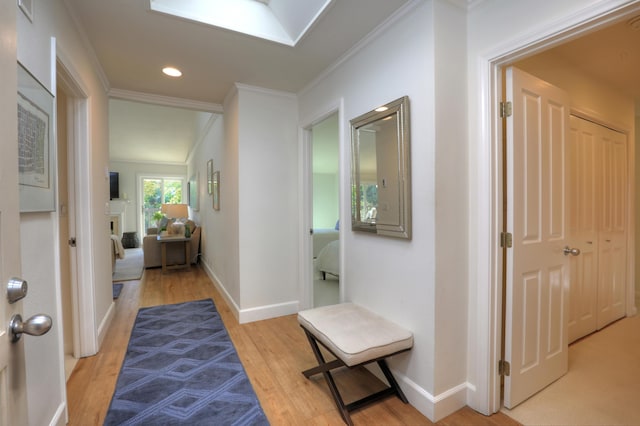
pixel 181 368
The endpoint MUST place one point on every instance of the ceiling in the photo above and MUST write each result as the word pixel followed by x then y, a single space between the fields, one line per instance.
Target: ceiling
pixel 132 44
pixel 610 55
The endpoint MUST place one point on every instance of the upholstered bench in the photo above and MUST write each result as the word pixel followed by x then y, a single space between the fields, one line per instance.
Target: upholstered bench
pixel 355 336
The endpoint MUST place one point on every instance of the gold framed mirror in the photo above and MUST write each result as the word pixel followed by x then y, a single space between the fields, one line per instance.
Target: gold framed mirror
pixel 381 172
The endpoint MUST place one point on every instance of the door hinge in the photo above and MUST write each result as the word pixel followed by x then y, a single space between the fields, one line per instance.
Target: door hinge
pixel 506 109
pixel 504 368
pixel 506 239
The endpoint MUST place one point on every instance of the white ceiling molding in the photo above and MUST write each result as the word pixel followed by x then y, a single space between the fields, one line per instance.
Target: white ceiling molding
pixel 201 136
pixel 281 21
pixel 148 98
pixel 398 14
pixel 269 92
pixel 102 76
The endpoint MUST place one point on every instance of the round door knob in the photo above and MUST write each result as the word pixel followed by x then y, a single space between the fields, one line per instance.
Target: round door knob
pixel 571 251
pixel 37 325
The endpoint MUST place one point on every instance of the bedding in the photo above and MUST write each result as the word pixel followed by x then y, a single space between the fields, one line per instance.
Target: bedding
pixel 328 261
pixel 321 237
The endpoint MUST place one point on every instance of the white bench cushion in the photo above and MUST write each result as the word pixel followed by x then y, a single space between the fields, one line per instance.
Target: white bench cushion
pixel 355 334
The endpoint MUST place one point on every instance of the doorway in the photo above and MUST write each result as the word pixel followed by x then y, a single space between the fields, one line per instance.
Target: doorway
pixel 67 264
pixel 501 60
pixel 325 200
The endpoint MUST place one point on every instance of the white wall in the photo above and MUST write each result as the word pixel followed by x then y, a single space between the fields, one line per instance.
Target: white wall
pixel 325 200
pixel 326 177
pixel 268 202
pixel 496 31
pixel 407 281
pixel 249 246
pixel 45 379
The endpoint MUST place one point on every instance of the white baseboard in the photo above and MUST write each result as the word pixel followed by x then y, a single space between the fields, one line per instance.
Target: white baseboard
pixel 270 311
pixel 235 310
pixel 436 407
pixel 251 314
pixel 106 322
pixel 59 418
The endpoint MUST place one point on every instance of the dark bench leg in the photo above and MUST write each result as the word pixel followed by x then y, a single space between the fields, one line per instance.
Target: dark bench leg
pixel 325 368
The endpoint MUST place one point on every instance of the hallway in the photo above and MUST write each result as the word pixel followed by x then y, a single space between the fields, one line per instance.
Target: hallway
pixel 273 352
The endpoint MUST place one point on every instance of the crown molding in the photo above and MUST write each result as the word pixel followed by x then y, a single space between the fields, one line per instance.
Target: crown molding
pixel 148 98
pixel 93 58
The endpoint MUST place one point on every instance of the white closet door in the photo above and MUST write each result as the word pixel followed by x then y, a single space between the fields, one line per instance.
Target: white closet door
pixel 597 225
pixel 613 244
pixel 583 226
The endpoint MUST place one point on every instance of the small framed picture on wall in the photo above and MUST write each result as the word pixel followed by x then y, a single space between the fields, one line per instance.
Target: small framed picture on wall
pixel 209 176
pixel 216 190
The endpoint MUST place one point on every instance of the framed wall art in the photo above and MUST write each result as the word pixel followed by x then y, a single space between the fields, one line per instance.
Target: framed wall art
pixel 36 144
pixel 209 176
pixel 216 190
pixel 193 193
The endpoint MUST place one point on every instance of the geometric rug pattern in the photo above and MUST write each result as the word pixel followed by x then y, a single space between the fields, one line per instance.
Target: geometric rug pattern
pixel 181 368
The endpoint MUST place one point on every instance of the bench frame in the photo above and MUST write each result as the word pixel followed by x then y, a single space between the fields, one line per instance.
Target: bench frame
pixel 325 368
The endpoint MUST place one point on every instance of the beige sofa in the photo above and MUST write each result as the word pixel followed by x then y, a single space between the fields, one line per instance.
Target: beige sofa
pixel 175 251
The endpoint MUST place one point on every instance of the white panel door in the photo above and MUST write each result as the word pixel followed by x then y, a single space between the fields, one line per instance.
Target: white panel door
pixel 613 241
pixel 585 175
pixel 536 341
pixel 13 403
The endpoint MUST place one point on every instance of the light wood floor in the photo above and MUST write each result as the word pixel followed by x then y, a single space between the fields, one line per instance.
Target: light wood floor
pixel 273 352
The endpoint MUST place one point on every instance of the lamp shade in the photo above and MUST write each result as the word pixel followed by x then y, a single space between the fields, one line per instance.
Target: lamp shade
pixel 175 211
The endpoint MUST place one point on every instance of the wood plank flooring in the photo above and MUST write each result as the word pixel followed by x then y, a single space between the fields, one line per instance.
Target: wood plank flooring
pixel 273 352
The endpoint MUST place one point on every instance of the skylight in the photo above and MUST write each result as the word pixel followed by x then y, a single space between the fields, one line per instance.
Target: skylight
pixel 281 21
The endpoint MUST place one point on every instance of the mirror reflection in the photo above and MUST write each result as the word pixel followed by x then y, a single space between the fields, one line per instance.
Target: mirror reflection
pixel 381 187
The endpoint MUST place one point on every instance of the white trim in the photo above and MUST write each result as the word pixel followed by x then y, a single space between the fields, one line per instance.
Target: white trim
pixel 434 407
pixel 84 326
pixel 251 314
pixel 368 39
pixel 233 307
pixel 260 313
pixel 162 163
pixel 149 98
pixel 487 182
pixel 305 218
pixel 93 58
pixel 305 192
pixel 264 91
pixel 202 136
pixel 59 417
pixel 103 328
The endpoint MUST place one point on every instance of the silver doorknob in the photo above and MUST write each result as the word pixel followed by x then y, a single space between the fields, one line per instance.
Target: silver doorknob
pixel 37 325
pixel 571 251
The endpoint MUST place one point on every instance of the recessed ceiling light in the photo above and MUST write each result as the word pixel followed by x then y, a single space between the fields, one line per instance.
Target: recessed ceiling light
pixel 172 72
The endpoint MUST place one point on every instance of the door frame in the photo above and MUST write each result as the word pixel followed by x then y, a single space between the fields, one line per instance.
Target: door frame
pixel 85 338
pixel 305 189
pixel 490 198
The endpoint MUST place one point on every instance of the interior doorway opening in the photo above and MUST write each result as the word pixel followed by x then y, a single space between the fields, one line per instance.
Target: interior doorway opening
pixel 325 176
pixel 515 54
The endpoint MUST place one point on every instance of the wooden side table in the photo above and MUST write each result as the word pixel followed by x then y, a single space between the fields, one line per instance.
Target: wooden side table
pixel 171 239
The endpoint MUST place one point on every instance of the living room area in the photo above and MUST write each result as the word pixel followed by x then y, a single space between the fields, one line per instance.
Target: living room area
pixel 150 189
